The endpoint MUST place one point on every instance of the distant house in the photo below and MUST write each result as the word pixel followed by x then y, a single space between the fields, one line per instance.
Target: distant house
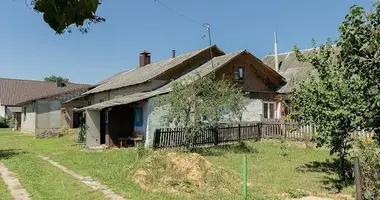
pixel 36 105
pixel 291 69
pixel 122 107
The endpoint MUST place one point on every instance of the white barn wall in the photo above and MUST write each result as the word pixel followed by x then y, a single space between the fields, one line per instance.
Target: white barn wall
pixel 28 118
pixel 2 111
pixel 92 128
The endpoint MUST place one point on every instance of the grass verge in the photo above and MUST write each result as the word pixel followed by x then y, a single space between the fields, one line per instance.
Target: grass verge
pixel 4 194
pixel 271 173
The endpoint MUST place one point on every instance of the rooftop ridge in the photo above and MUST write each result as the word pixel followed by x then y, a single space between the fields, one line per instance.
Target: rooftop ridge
pixel 41 81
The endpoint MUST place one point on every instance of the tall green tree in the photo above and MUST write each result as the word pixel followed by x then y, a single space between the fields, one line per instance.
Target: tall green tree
pixel 54 78
pixel 202 102
pixel 345 95
pixel 61 15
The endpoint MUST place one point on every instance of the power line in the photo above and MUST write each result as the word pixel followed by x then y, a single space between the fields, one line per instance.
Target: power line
pixel 179 14
pixel 203 25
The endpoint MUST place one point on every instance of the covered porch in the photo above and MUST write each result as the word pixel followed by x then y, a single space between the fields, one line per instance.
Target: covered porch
pixel 120 122
pixel 122 126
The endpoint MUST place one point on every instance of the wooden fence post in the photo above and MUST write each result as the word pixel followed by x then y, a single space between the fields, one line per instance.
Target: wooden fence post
pixel 358 183
pixel 239 133
pixel 260 131
pixel 216 136
pixel 156 138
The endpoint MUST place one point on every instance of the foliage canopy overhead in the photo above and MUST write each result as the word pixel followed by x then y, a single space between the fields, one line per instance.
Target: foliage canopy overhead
pixel 60 15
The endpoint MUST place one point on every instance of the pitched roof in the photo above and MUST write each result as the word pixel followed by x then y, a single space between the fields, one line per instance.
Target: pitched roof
pixel 291 69
pixel 143 74
pixel 201 71
pixel 220 61
pixel 15 91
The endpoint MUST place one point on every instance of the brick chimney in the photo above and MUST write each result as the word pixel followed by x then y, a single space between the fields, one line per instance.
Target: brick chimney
pixel 144 58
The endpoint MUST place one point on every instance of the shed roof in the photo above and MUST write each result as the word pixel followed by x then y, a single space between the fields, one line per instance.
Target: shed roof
pixel 126 99
pixel 291 69
pixel 15 91
pixel 143 74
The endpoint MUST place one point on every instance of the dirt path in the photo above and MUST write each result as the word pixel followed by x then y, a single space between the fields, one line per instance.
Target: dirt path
pixel 109 194
pixel 14 185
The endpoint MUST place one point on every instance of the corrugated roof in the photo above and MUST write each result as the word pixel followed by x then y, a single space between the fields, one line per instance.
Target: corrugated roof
pixel 143 74
pixel 15 91
pixel 291 69
pixel 126 99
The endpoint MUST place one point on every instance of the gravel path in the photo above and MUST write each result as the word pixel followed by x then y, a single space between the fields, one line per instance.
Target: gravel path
pixel 109 194
pixel 14 186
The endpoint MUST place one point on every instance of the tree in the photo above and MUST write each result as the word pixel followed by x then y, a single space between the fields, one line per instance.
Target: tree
pixel 202 102
pixel 62 14
pixel 344 96
pixel 54 78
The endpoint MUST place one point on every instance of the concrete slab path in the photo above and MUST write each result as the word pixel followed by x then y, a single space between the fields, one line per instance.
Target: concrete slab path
pixel 109 194
pixel 14 186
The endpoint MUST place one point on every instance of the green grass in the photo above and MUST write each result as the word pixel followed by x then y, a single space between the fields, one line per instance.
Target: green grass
pixel 4 194
pixel 269 172
pixel 39 178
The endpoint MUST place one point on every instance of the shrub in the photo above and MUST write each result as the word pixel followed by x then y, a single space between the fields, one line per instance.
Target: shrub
pixel 368 152
pixel 3 123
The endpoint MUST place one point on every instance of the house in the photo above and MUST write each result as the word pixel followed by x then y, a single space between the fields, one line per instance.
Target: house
pixel 291 69
pixel 122 106
pixel 36 105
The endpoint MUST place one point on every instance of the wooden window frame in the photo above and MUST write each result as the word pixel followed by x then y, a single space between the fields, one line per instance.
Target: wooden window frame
pixel 274 109
pixel 237 73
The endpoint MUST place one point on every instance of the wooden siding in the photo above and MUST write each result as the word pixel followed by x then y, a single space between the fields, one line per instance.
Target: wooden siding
pixel 252 79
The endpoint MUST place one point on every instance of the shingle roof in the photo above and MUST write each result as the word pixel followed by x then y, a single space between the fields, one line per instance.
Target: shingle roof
pixel 291 69
pixel 15 91
pixel 143 74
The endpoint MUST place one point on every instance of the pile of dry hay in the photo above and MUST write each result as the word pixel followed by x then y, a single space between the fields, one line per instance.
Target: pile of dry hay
pixel 188 173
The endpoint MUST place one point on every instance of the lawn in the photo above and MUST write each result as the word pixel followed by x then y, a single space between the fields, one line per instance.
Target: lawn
pixel 4 194
pixel 270 172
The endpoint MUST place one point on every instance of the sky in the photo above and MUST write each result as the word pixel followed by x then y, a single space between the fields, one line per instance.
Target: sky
pixel 29 49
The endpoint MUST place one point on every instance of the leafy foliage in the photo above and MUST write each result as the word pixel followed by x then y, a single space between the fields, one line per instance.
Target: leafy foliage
pixel 7 122
pixel 344 96
pixel 54 78
pixel 61 14
pixel 368 152
pixel 201 102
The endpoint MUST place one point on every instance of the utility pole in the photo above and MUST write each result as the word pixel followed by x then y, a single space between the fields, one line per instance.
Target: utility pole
pixel 208 28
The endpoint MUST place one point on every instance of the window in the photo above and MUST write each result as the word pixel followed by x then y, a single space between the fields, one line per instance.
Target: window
pixel 138 118
pixel 269 110
pixel 239 73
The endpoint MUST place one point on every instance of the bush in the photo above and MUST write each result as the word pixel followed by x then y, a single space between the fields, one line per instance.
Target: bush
pixel 3 123
pixel 67 131
pixel 368 152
